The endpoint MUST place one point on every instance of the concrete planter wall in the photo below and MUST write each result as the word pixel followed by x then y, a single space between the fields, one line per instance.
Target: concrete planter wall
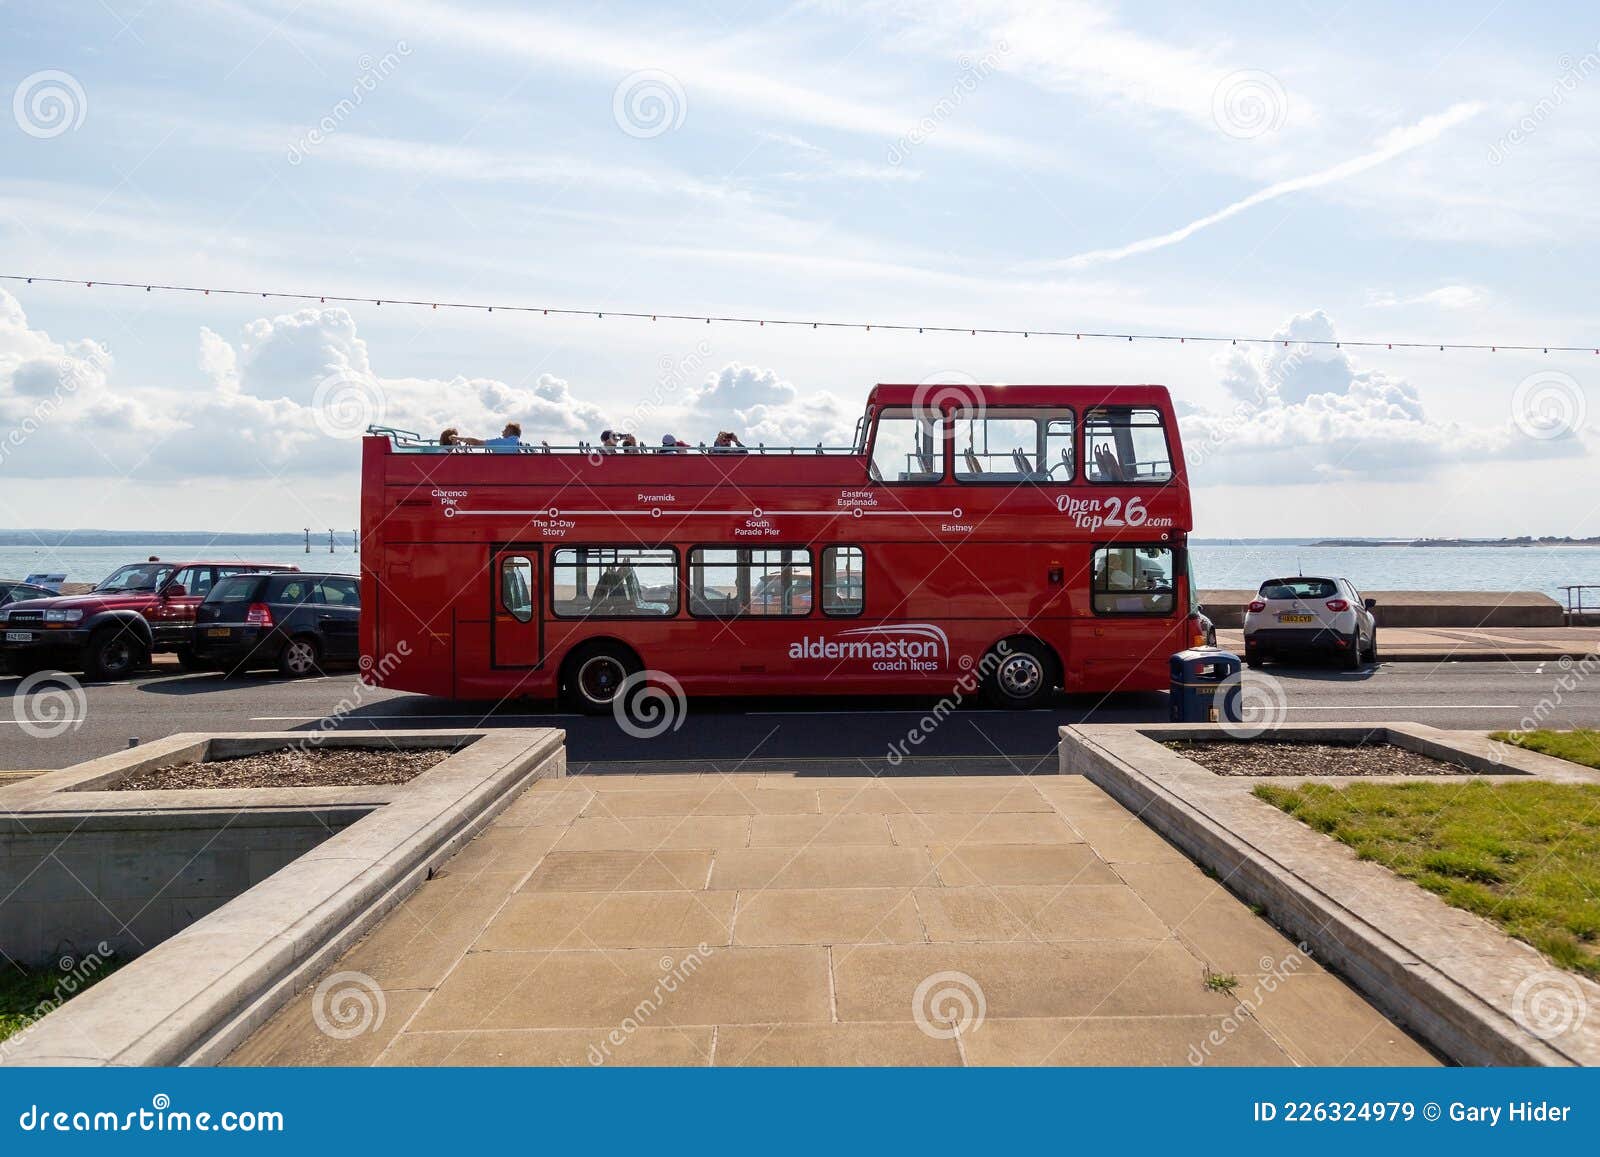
pixel 256 889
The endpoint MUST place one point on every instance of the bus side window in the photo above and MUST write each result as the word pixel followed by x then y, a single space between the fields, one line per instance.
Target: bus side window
pixel 734 581
pixel 1132 580
pixel 608 582
pixel 843 581
pixel 1122 444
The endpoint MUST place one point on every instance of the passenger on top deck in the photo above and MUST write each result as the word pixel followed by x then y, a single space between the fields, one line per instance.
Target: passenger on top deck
pixel 449 437
pixel 608 442
pixel 728 443
pixel 628 443
pixel 671 445
pixel 509 441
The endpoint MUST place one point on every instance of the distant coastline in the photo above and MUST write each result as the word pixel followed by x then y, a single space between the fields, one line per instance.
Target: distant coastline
pixel 55 539
pixel 1525 540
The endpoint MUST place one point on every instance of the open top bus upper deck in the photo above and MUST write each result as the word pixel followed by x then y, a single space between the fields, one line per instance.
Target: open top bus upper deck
pixel 1049 438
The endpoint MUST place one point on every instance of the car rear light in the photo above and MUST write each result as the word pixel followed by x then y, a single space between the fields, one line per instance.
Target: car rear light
pixel 259 615
pixel 1256 607
pixel 1337 605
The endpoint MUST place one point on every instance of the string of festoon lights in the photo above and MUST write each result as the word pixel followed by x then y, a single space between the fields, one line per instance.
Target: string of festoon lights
pixel 801 323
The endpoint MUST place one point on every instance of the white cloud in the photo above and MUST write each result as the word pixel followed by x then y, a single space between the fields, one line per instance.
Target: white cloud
pixel 263 409
pixel 760 406
pixel 1309 413
pixel 1393 144
pixel 1445 297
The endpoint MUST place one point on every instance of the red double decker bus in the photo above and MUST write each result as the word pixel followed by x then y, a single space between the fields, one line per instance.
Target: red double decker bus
pixel 1027 538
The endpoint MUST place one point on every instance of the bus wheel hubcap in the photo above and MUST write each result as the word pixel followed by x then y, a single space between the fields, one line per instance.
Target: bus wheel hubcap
pixel 1020 676
pixel 599 678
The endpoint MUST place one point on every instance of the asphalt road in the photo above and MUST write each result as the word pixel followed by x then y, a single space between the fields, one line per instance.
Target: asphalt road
pixel 819 734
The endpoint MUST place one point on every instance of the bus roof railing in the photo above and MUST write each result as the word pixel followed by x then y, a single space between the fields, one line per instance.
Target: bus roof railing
pixel 409 442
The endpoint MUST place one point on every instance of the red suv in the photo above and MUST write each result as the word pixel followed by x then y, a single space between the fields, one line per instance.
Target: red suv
pixel 112 630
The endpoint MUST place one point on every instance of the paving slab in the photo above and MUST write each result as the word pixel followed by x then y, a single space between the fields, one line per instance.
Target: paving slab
pixel 680 919
pixel 829 916
pixel 833 1044
pixel 854 932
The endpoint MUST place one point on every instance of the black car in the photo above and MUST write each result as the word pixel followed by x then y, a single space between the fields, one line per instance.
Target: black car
pixel 297 622
pixel 13 591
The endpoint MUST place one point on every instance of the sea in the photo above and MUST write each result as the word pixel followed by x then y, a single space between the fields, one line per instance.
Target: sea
pixel 1230 565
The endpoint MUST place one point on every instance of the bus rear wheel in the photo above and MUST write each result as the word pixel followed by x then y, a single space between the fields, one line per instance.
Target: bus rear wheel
pixel 1022 675
pixel 593 676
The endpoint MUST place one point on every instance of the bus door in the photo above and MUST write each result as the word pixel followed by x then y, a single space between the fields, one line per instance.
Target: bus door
pixel 517 624
pixel 1135 613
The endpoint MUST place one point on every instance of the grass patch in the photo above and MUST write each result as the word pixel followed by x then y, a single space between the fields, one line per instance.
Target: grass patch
pixel 26 995
pixel 1223 982
pixel 1525 856
pixel 1580 745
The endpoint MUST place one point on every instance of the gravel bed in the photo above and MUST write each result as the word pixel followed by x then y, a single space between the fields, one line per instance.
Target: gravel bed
pixel 1243 757
pixel 294 767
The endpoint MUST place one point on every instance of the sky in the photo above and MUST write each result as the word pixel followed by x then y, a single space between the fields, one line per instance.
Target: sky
pixel 1303 172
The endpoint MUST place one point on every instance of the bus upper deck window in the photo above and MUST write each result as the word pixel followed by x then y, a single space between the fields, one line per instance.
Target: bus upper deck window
pixel 1123 444
pixel 1013 444
pixel 908 447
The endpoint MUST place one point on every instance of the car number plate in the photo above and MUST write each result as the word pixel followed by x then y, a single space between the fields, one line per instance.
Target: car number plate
pixel 218 632
pixel 19 636
pixel 1297 618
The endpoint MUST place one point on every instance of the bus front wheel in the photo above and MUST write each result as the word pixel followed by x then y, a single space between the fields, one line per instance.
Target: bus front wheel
pixel 594 674
pixel 1021 675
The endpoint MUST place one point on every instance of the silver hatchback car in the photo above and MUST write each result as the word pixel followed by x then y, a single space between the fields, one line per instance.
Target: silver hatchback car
pixel 1299 616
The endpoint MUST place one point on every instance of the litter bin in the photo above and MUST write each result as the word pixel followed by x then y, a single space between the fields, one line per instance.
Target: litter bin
pixel 1205 680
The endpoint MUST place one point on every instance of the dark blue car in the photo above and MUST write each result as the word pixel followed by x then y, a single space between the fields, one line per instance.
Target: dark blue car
pixel 299 623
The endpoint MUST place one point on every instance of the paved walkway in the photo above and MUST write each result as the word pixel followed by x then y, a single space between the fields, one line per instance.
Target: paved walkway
pixel 775 919
pixel 1462 644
